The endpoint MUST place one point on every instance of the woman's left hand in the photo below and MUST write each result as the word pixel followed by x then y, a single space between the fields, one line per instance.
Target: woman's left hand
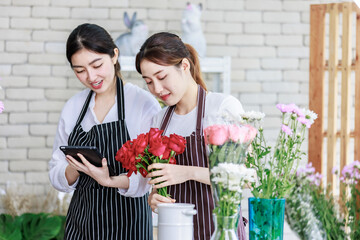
pixel 167 174
pixel 99 174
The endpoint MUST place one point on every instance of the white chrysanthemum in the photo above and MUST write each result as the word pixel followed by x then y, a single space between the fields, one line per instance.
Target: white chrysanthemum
pixel 232 176
pixel 253 116
pixel 312 116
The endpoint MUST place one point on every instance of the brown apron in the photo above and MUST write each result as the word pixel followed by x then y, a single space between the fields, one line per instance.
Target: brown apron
pixel 192 191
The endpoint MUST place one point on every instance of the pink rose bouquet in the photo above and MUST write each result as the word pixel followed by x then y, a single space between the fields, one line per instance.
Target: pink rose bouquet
pixel 227 141
pixel 137 154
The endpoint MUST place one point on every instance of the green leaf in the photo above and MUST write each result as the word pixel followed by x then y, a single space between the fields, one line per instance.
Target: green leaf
pixel 61 234
pixel 9 228
pixel 41 226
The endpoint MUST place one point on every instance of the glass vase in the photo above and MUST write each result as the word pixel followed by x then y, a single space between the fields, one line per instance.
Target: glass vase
pixel 225 227
pixel 266 218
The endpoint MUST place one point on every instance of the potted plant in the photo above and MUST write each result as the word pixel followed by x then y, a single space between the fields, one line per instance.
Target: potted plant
pixel 275 169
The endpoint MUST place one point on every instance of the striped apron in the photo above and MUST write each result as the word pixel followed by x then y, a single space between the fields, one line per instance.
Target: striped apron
pixel 192 191
pixel 98 212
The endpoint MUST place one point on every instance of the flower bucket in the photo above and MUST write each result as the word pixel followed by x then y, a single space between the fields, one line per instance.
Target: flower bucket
pixel 266 218
pixel 175 221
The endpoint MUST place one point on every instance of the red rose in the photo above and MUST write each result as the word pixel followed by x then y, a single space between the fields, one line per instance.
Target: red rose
pixel 154 133
pixel 177 143
pixel 167 151
pixel 122 153
pixel 143 172
pixel 172 160
pixel 140 143
pixel 126 156
pixel 157 147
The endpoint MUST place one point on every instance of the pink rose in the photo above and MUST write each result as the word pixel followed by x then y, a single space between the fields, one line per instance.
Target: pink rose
pixel 234 132
pixel 216 134
pixel 247 133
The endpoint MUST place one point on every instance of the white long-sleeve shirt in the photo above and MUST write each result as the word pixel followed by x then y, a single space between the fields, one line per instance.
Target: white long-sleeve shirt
pixel 140 107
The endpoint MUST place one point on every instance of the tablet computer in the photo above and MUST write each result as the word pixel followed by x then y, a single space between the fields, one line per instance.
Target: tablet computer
pixel 91 153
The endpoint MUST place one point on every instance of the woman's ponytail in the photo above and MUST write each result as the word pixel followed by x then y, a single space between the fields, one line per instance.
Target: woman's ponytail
pixel 195 70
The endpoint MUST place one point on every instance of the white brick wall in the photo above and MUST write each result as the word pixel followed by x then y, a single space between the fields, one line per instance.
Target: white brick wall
pixel 268 41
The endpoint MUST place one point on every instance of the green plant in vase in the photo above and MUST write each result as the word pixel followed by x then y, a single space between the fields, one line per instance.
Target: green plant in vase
pixel 275 169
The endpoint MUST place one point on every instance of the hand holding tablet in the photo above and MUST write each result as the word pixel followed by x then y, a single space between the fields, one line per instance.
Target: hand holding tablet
pixel 91 153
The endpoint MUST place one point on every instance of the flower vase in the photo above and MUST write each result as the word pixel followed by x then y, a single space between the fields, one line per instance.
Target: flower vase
pixel 266 218
pixel 225 227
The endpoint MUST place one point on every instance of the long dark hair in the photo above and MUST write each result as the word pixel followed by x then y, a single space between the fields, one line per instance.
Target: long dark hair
pixel 94 38
pixel 167 49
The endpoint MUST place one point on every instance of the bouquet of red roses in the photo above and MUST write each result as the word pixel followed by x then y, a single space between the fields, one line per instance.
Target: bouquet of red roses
pixel 137 154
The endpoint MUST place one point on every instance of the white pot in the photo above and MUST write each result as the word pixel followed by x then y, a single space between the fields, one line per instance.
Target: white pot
pixel 175 221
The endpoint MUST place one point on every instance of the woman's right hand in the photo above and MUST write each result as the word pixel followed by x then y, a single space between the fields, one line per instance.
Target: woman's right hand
pixel 155 198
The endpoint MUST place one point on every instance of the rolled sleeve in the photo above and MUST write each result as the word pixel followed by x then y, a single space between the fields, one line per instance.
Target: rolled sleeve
pixel 138 186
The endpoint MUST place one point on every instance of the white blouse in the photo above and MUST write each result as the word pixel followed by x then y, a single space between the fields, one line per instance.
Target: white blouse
pixel 140 107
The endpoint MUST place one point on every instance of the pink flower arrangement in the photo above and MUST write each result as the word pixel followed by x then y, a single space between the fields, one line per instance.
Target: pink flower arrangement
pixel 351 173
pixel 276 168
pixel 228 142
pixel 219 134
pixel 308 173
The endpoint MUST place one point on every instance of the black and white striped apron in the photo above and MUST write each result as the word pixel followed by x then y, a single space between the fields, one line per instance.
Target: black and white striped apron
pixel 98 212
pixel 192 191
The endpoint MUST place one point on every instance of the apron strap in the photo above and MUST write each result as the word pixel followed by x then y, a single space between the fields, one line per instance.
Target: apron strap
pixel 83 110
pixel 166 119
pixel 120 102
pixel 200 113
pixel 120 98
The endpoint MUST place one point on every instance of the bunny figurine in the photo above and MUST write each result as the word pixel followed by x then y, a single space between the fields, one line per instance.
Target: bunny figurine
pixel 129 43
pixel 191 28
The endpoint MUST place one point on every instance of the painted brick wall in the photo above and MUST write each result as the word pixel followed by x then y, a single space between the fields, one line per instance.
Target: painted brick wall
pixel 268 41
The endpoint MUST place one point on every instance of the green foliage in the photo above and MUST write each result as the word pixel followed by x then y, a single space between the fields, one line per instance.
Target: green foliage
pixel 275 173
pixel 352 210
pixel 30 226
pixel 313 213
pixel 229 152
pixel 61 234
pixel 9 227
pixel 324 205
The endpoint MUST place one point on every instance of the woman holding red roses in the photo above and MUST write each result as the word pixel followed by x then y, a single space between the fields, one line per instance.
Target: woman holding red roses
pixel 172 72
pixel 106 114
